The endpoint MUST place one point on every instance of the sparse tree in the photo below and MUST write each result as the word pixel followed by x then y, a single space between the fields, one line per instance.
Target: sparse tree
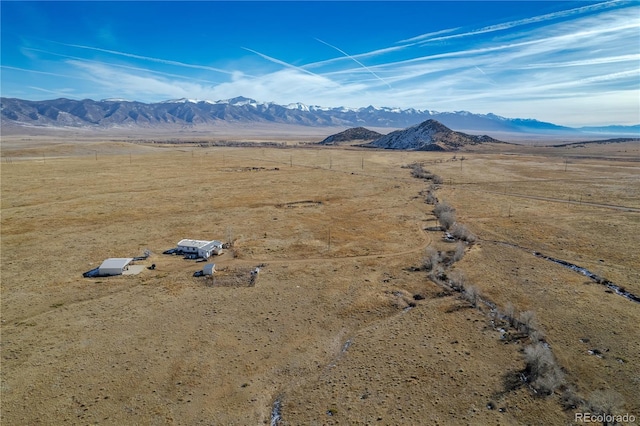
pixel 527 322
pixel 447 219
pixel 510 314
pixel 605 402
pixel 543 373
pixel 457 281
pixel 462 233
pixel 569 399
pixel 458 254
pixel 437 273
pixel 537 335
pixel 229 236
pixel 418 171
pixel 431 198
pixel 441 208
pixel 431 258
pixel 472 294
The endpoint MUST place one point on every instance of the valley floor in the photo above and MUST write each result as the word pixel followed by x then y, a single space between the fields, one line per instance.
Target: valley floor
pixel 342 324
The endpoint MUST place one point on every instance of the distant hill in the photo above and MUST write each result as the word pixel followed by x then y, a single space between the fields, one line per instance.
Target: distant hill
pixel 598 142
pixel 429 135
pixel 352 134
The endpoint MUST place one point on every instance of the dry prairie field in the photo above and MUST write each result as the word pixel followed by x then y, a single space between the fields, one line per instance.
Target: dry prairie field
pixel 345 324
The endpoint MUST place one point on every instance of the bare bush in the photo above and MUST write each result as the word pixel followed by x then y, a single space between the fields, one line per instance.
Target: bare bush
pixel 447 219
pixel 431 258
pixel 550 381
pixel 457 281
pixel 569 399
pixel 441 208
pixel 458 254
pixel 537 335
pixel 431 198
pixel 510 314
pixel 461 232
pixel 543 373
pixel 418 171
pixel 471 294
pixel 527 322
pixel 605 402
pixel 437 273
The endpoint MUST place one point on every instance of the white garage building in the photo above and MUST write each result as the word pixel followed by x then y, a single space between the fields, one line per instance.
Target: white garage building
pixel 203 249
pixel 114 266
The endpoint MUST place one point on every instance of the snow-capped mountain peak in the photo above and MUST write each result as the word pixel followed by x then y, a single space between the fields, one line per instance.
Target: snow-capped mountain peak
pixel 180 101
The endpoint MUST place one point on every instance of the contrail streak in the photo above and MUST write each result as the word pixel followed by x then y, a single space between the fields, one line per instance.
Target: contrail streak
pixel 148 58
pixel 279 62
pixel 39 72
pixel 356 61
pixel 116 65
pixel 526 21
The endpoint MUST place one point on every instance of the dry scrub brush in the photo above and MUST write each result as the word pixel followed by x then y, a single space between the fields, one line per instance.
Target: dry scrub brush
pixel 431 258
pixel 442 207
pixel 445 214
pixel 458 254
pixel 509 314
pixel 605 402
pixel 472 295
pixel 457 281
pixel 461 232
pixel 418 171
pixel 447 219
pixel 431 197
pixel 542 372
pixel 527 322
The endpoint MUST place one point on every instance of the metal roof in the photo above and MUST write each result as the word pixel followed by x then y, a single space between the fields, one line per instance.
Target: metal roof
pixel 116 263
pixel 199 243
pixel 192 243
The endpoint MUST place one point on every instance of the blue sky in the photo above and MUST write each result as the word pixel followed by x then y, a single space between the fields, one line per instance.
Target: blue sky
pixel 570 63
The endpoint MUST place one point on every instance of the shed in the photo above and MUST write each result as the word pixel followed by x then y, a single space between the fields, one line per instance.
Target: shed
pixel 209 269
pixel 114 266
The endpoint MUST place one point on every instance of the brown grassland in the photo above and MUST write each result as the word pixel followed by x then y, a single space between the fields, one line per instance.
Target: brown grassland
pixel 325 336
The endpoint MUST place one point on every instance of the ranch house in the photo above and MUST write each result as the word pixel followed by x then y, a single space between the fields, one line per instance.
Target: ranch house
pixel 203 249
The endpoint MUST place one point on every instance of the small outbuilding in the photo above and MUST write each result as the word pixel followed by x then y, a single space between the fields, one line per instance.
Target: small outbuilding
pixel 209 269
pixel 114 266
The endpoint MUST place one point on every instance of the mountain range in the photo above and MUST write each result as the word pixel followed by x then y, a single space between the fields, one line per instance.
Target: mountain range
pixel 181 113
